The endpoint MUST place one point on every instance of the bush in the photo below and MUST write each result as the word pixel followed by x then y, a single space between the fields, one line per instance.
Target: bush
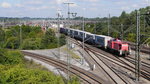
pixel 20 75
pixel 74 80
pixel 62 40
pixel 10 57
pixel 13 71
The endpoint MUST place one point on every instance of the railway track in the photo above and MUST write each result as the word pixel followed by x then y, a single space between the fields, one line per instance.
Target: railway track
pixel 86 76
pixel 145 72
pixel 143 48
pixel 116 78
pixel 129 66
pixel 121 62
pixel 107 68
pixel 143 62
pixel 145 66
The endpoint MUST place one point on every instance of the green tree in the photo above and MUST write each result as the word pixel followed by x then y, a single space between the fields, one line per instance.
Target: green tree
pixel 12 43
pixel 131 37
pixel 12 32
pixel 2 35
pixel 49 39
pixel 31 44
pixel 2 38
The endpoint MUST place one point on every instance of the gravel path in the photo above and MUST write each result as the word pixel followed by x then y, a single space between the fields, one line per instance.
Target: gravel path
pixel 63 56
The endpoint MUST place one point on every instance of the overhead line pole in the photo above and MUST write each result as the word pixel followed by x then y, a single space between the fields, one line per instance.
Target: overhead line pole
pixel 58 36
pixel 122 35
pixel 3 23
pixel 20 25
pixel 109 25
pixel 137 53
pixel 68 46
pixel 83 37
pixel 58 30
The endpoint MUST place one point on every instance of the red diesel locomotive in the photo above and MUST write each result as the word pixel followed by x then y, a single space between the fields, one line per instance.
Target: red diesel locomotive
pixel 119 46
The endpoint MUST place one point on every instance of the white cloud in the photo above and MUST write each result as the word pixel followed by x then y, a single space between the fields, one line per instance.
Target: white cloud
pixel 19 5
pixel 34 2
pixel 121 3
pixel 38 8
pixel 147 2
pixel 94 4
pixel 93 9
pixel 73 5
pixel 62 1
pixel 125 8
pixel 135 5
pixel 6 5
pixel 92 0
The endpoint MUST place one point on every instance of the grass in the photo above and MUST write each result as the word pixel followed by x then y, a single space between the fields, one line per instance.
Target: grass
pixel 73 55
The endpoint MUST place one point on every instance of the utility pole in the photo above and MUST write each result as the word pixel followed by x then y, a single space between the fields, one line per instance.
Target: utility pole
pixel 95 28
pixel 58 32
pixel 68 43
pixel 137 53
pixel 122 33
pixel 83 25
pixel 20 33
pixel 3 23
pixel 68 4
pixel 44 24
pixel 144 24
pixel 149 54
pixel 109 25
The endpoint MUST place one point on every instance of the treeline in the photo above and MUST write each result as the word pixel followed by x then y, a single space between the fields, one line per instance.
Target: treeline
pixel 28 37
pixel 123 26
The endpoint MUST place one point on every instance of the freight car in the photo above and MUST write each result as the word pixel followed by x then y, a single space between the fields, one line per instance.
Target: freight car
pixel 102 40
pixel 89 38
pixel 62 30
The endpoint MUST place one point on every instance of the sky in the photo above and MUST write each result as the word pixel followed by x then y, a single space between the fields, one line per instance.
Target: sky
pixel 86 8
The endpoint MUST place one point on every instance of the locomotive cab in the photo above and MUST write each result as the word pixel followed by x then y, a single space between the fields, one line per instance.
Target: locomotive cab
pixel 117 45
pixel 124 48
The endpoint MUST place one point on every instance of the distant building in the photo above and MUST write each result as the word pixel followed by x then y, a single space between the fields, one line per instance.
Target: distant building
pixel 56 25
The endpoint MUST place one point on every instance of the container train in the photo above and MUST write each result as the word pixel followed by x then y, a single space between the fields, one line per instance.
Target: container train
pixel 106 42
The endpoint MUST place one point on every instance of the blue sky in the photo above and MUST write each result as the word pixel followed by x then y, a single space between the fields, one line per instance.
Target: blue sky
pixel 48 8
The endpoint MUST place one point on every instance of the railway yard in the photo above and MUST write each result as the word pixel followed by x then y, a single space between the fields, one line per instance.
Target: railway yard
pixel 75 42
pixel 98 67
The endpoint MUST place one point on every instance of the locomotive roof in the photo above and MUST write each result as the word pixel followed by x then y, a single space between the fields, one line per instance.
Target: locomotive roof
pixel 119 41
